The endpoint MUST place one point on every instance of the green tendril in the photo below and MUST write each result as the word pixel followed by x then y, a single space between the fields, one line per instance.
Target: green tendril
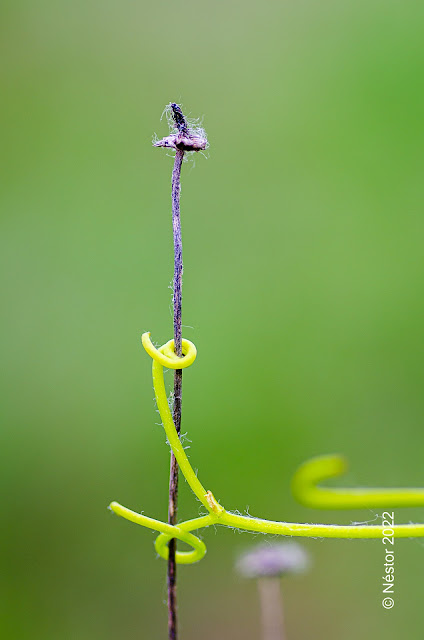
pixel 313 471
pixel 304 486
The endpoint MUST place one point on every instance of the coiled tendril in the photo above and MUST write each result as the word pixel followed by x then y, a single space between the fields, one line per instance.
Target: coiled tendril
pixel 304 486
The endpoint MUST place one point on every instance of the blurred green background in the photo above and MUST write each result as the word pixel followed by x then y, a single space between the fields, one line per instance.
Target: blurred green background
pixel 303 248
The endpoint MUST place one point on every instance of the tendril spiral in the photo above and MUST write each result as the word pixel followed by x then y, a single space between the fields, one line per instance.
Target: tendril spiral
pixel 304 486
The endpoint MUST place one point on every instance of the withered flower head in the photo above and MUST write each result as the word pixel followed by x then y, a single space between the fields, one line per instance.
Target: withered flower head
pixel 188 136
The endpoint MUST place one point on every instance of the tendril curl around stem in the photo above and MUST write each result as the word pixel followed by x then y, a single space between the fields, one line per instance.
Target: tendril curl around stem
pixel 304 486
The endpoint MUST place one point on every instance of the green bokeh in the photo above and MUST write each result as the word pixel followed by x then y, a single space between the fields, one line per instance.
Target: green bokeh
pixel 303 247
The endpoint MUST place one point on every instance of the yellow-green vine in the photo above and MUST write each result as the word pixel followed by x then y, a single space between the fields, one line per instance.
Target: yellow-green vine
pixel 304 486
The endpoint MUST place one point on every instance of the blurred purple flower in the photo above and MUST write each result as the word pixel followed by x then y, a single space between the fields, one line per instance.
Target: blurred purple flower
pixel 273 560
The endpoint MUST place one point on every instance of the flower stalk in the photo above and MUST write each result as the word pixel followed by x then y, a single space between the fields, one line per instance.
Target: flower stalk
pixel 182 140
pixel 178 383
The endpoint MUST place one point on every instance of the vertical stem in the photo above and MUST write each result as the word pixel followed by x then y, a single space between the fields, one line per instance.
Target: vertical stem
pixel 271 608
pixel 178 380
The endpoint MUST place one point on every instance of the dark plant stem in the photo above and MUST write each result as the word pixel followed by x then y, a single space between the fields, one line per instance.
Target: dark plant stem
pixel 178 381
